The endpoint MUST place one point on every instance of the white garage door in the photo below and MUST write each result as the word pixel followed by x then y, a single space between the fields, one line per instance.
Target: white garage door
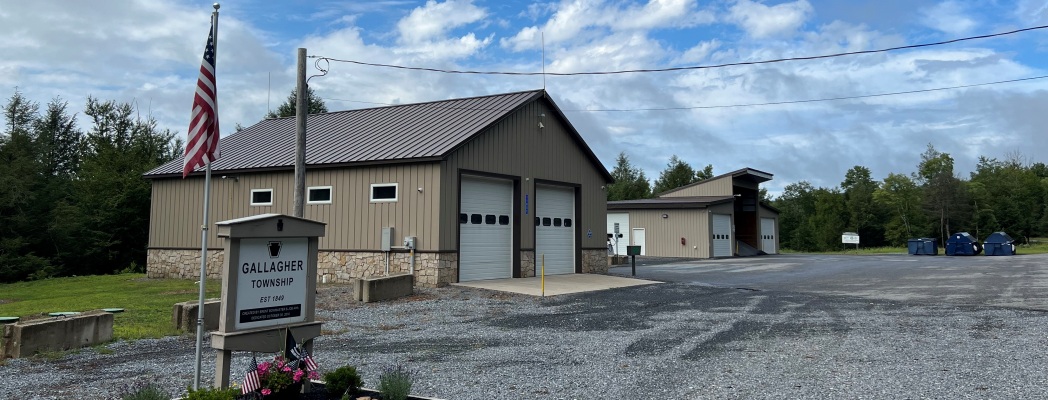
pixel 485 229
pixel 721 235
pixel 555 229
pixel 623 222
pixel 768 236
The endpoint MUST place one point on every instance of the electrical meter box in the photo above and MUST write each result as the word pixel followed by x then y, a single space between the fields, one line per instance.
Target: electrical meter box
pixel 409 242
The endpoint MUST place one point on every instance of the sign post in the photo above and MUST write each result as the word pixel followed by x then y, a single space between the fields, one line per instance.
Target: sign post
pixel 269 285
pixel 633 251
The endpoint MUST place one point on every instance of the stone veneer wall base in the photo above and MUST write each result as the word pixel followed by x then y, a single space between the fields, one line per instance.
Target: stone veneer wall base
pixel 431 269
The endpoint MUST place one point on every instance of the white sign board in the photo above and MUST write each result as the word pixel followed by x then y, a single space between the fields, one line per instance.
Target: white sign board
pixel 850 238
pixel 271 282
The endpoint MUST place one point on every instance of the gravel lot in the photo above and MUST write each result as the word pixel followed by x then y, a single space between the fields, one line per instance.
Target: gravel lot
pixel 672 340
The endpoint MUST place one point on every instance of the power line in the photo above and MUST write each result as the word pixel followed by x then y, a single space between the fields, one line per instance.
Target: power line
pixel 698 67
pixel 773 103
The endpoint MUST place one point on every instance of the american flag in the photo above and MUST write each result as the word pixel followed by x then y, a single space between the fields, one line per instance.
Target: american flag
pixel 302 355
pixel 251 382
pixel 202 146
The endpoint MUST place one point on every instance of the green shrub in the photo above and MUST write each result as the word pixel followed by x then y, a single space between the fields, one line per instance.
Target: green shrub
pixel 213 394
pixel 342 380
pixel 147 392
pixel 395 383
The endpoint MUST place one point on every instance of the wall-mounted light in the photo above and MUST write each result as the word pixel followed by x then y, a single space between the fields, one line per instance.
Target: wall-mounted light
pixel 602 187
pixel 233 177
pixel 665 215
pixel 420 190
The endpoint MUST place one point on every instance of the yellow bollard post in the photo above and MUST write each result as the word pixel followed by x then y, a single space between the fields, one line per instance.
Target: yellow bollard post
pixel 543 275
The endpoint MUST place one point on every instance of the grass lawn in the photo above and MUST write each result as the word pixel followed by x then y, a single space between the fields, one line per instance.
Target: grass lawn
pixel 146 302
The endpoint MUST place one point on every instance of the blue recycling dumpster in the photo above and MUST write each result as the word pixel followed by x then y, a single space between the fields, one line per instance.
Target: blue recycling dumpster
pixel 999 244
pixel 962 244
pixel 923 246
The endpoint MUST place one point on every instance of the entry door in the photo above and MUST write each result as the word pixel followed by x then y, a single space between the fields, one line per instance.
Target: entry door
pixel 721 235
pixel 768 236
pixel 623 221
pixel 555 229
pixel 485 229
pixel 638 239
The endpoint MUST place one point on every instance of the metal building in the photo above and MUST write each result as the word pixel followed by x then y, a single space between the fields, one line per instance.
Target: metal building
pixel 717 217
pixel 486 186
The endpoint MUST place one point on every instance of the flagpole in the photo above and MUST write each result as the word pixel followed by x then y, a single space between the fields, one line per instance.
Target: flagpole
pixel 203 232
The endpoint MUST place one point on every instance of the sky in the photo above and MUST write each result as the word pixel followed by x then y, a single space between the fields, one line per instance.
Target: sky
pixel 148 53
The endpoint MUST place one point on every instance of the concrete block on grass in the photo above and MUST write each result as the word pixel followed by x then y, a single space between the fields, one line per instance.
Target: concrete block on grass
pixel 25 338
pixel 184 315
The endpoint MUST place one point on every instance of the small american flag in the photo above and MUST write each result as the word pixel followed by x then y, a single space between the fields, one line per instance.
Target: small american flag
pixel 202 146
pixel 306 359
pixel 251 382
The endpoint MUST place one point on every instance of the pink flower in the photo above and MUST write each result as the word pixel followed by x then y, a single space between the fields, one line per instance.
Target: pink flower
pixel 298 375
pixel 286 369
pixel 266 392
pixel 314 375
pixel 263 366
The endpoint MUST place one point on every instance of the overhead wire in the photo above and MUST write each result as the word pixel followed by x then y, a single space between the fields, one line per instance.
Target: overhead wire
pixel 696 67
pixel 771 103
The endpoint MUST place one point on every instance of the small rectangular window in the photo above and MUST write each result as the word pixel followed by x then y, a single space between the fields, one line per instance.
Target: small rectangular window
pixel 538 221
pixel 319 195
pixel 463 218
pixel 261 197
pixel 489 219
pixel 567 222
pixel 383 192
pixel 547 221
pixel 556 222
pixel 503 219
pixel 474 219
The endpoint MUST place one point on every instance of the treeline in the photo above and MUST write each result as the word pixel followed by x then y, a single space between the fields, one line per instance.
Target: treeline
pixel 631 183
pixel 933 201
pixel 75 202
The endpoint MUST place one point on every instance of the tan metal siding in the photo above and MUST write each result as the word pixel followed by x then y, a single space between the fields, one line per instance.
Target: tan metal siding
pixel 354 223
pixel 662 235
pixel 517 147
pixel 717 187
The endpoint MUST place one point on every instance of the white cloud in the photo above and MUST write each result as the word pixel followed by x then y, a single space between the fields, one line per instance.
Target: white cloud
pixel 434 20
pixel 762 21
pixel 581 20
pixel 950 17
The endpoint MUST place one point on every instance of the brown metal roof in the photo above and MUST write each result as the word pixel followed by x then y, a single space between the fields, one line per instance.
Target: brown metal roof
pixel 402 133
pixel 670 202
pixel 748 174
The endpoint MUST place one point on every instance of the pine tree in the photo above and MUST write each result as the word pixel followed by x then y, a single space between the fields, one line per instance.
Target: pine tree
pixel 677 173
pixel 314 104
pixel 630 182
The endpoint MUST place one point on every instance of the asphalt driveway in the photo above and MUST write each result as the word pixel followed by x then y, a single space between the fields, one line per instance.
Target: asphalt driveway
pixel 779 327
pixel 1017 281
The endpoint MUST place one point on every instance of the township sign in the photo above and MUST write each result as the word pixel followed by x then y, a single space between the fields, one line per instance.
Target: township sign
pixel 850 238
pixel 271 282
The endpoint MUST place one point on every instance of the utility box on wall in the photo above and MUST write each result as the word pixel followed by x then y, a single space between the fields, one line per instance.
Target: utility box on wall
pixel 387 238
